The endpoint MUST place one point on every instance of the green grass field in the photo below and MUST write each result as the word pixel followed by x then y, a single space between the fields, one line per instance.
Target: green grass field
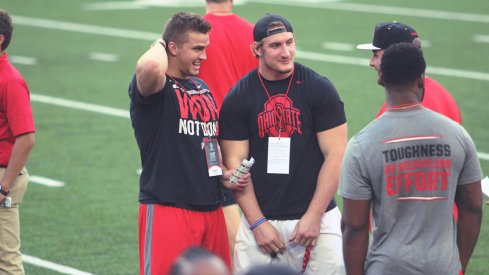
pixel 90 224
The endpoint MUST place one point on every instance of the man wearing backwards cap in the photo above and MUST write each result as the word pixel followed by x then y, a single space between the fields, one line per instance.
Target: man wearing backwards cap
pixel 292 122
pixel 436 97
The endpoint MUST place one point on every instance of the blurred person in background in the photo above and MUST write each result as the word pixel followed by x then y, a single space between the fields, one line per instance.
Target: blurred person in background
pixel 16 142
pixel 198 261
pixel 228 59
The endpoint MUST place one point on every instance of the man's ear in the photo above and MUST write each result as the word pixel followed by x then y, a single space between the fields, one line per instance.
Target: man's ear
pixel 421 81
pixel 255 48
pixel 172 48
pixel 2 38
pixel 381 79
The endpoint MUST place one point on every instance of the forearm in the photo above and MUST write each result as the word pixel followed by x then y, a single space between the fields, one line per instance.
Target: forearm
pixel 248 203
pixel 327 184
pixel 233 153
pixel 355 246
pixel 20 153
pixel 151 68
pixel 468 228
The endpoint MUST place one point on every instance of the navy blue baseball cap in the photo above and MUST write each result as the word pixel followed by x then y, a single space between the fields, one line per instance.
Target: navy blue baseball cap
pixel 261 29
pixel 388 33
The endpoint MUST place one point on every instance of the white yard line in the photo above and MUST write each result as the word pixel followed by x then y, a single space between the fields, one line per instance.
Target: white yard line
pixel 113 111
pixel 316 4
pixel 365 61
pixel 105 57
pixel 53 266
pixel 46 181
pixel 23 60
pixel 481 38
pixel 83 28
pixel 484 156
pixel 390 10
pixel 80 105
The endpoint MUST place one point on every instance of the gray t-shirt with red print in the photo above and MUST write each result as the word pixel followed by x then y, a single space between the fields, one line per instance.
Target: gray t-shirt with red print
pixel 410 164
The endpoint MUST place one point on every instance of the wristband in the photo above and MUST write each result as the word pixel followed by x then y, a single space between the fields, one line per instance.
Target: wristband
pixel 258 222
pixel 3 192
pixel 160 41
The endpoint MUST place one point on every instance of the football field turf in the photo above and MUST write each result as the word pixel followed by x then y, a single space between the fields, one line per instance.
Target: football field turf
pixel 78 57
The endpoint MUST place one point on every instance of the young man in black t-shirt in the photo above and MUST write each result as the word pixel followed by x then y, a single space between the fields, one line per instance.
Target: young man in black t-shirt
pixel 175 123
pixel 292 122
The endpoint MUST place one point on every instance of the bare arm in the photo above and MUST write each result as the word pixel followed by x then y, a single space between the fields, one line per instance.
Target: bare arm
pixel 469 201
pixel 266 236
pixel 332 143
pixel 20 153
pixel 151 68
pixel 354 225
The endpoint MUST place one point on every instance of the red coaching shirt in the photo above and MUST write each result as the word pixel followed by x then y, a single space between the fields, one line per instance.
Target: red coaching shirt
pixel 229 56
pixel 15 108
pixel 437 99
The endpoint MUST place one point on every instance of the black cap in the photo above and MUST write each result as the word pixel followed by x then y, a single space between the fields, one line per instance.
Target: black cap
pixel 261 31
pixel 388 33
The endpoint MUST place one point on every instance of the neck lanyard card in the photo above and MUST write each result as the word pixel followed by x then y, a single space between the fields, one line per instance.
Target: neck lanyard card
pixel 278 155
pixel 212 156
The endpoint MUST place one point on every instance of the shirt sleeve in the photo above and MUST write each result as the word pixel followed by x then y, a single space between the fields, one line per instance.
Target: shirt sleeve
pixel 471 170
pixel 233 117
pixel 328 108
pixel 135 95
pixel 18 108
pixel 354 183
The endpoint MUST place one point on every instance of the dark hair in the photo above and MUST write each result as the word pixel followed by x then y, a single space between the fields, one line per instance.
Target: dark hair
pixel 192 255
pixel 271 270
pixel 216 1
pixel 402 64
pixel 6 28
pixel 178 25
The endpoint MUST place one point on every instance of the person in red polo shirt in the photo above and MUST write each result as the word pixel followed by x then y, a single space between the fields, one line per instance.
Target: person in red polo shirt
pixel 16 142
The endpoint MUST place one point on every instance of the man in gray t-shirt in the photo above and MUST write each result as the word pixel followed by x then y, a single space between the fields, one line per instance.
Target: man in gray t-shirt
pixel 410 165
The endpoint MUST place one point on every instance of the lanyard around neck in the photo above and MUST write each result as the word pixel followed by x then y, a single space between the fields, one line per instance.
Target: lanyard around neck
pixel 265 88
pixel 181 86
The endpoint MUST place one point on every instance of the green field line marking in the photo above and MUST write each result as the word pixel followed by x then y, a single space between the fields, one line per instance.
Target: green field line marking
pixel 45 181
pixel 365 62
pixel 391 10
pixel 481 38
pixel 80 105
pixel 484 156
pixel 105 31
pixel 113 111
pixel 53 266
pixel 83 28
pixel 314 4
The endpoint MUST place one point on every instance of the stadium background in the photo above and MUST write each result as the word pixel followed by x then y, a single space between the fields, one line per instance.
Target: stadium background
pixel 78 57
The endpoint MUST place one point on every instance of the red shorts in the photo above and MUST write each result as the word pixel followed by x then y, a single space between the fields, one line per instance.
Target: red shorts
pixel 165 232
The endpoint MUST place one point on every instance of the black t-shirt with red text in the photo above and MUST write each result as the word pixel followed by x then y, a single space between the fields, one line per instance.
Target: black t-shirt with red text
pixel 312 105
pixel 170 127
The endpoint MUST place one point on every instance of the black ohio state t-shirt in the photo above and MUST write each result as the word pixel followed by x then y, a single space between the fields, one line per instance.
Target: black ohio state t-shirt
pixel 312 105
